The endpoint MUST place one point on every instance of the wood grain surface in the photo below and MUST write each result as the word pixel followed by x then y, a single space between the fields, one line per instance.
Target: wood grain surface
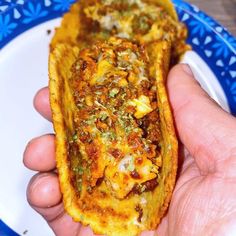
pixel 224 11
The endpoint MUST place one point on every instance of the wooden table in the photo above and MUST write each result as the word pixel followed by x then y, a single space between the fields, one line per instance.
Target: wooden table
pixel 224 11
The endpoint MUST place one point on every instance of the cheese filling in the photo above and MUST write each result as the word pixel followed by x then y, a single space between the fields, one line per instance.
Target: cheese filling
pixel 134 19
pixel 117 123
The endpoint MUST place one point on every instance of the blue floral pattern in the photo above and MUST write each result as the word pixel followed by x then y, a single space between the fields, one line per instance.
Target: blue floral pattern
pixel 6 27
pixel 214 44
pixel 224 48
pixel 209 39
pixel 17 16
pixel 62 5
pixel 33 12
pixel 6 5
pixel 201 24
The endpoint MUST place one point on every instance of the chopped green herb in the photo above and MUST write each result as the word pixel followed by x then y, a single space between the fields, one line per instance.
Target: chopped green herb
pixel 103 116
pixel 128 129
pixel 78 169
pixel 87 170
pixel 143 22
pixel 121 122
pixel 75 137
pixel 79 186
pixel 137 130
pixel 131 166
pixel 91 120
pixel 114 92
pixel 109 136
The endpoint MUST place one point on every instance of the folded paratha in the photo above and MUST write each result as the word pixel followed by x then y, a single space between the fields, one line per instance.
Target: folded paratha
pixel 116 148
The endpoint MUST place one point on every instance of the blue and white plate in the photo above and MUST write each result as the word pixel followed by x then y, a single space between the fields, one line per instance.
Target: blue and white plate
pixel 26 28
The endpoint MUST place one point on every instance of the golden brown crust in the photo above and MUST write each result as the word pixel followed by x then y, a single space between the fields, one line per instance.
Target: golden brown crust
pixel 70 27
pixel 101 210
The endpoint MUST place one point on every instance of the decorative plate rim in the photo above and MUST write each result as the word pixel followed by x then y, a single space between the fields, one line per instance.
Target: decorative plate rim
pixel 214 44
pixel 5 230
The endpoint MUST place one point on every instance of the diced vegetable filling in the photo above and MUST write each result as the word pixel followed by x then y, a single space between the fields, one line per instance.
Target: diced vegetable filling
pixel 117 123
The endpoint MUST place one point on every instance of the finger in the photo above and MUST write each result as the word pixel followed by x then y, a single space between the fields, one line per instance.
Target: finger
pixel 39 154
pixel 44 196
pixel 42 104
pixel 163 227
pixel 203 127
pixel 43 191
pixel 87 231
pixel 64 225
pixel 148 233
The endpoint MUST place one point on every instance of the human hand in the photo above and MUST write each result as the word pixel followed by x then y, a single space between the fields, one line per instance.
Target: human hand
pixel 204 199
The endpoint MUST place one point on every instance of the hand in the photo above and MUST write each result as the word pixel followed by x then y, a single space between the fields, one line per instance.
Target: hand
pixel 204 199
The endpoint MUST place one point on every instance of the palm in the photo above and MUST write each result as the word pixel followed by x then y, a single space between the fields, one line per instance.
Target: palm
pixel 201 204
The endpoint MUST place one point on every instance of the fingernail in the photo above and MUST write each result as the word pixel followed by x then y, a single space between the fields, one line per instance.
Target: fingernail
pixel 187 69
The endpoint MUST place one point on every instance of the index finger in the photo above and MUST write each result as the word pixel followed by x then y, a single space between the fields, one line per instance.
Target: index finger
pixel 42 104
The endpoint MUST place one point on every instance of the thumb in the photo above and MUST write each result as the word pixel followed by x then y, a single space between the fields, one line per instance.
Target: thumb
pixel 208 132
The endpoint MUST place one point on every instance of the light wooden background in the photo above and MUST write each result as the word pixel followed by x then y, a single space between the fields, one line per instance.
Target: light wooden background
pixel 224 11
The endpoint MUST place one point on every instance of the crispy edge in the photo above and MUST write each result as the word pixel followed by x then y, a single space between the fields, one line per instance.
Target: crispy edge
pixel 69 29
pixel 170 164
pixel 71 26
pixel 63 56
pixel 167 5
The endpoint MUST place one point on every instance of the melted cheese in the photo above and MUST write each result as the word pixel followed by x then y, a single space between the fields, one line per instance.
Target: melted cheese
pixel 142 105
pixel 155 33
pixel 119 174
pixel 113 140
pixel 103 68
pixel 123 82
